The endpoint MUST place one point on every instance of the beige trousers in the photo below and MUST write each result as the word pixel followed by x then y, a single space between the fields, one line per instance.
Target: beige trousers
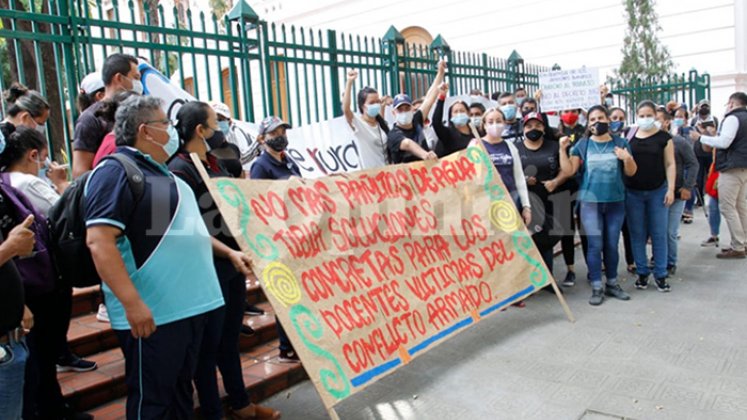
pixel 732 201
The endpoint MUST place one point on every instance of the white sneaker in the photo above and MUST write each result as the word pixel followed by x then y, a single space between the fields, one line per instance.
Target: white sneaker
pixel 102 315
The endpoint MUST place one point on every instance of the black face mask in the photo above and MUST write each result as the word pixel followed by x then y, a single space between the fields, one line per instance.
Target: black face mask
pixel 216 140
pixel 600 128
pixel 278 143
pixel 704 111
pixel 534 135
pixel 527 111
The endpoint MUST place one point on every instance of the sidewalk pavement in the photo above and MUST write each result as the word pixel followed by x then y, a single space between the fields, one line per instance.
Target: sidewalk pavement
pixel 679 355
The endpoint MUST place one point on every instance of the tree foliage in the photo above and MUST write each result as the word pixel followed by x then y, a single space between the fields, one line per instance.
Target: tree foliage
pixel 644 56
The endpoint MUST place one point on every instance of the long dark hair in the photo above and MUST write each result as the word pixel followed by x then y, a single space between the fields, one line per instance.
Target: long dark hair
pixel 361 99
pixel 601 108
pixel 108 108
pixel 191 115
pixel 20 98
pixel 19 143
pixel 451 108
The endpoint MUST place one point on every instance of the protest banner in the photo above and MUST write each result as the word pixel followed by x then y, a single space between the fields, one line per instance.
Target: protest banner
pixel 369 269
pixel 319 149
pixel 569 89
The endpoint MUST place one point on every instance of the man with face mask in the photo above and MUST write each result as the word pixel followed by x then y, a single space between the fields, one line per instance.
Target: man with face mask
pixel 521 95
pixel 509 109
pixel 274 163
pixel 731 163
pixel 406 141
pixel 156 298
pixel 119 74
pixel 702 121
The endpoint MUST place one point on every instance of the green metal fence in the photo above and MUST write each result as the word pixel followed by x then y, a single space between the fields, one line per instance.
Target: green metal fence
pixel 257 68
pixel 688 88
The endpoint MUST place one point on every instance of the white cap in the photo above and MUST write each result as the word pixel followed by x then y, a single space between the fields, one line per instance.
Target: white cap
pixel 91 83
pixel 221 109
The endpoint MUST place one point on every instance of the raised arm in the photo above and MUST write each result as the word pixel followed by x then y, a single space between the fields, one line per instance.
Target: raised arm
pixel 430 97
pixel 346 110
pixel 568 164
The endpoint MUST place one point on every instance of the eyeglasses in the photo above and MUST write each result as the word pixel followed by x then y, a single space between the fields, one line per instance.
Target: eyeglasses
pixel 165 121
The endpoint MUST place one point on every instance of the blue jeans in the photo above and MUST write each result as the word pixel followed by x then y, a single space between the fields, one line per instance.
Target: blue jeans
pixel 647 217
pixel 673 229
pixel 602 224
pixel 12 371
pixel 714 216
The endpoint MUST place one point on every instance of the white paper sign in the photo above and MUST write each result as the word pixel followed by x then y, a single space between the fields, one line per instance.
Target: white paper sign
pixel 569 89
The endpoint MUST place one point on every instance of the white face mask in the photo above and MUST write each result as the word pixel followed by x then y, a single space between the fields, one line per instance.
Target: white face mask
pixel 646 123
pixel 495 130
pixel 404 118
pixel 137 86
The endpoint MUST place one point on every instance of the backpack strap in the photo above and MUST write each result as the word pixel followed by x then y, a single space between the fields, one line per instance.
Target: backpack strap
pixel 135 176
pixel 631 133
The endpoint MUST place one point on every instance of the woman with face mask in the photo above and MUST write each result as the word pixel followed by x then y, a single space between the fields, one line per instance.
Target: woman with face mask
pixel 507 161
pixel 457 134
pixel 541 163
pixel 198 130
pixel 650 192
pixel 618 127
pixel 25 107
pixel 369 128
pixel 603 159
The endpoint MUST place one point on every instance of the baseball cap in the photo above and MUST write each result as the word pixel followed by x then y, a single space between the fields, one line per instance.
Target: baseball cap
pixel 533 116
pixel 221 109
pixel 402 99
pixel 271 123
pixel 704 102
pixel 91 83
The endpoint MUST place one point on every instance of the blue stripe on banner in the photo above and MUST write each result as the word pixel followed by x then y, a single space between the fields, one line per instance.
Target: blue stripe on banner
pixel 504 302
pixel 365 377
pixel 459 325
pixel 378 370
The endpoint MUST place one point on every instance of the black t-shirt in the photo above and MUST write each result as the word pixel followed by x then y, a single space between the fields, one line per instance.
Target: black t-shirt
pixel 649 157
pixel 543 164
pixel 90 130
pixel 11 285
pixel 397 134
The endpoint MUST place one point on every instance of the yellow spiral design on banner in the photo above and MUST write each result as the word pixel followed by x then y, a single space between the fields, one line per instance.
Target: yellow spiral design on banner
pixel 504 217
pixel 279 280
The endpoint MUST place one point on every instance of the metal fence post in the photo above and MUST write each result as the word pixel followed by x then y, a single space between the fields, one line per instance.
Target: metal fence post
pixel 515 66
pixel 334 73
pixel 391 40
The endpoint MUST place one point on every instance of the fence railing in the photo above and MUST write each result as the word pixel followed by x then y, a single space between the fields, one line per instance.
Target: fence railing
pixel 688 88
pixel 255 67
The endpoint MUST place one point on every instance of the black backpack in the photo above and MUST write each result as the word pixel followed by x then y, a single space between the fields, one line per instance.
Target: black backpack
pixel 67 226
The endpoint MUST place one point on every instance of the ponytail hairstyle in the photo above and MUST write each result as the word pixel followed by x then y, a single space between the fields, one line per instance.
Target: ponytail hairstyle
pixel 20 99
pixel 191 115
pixel 109 107
pixel 19 143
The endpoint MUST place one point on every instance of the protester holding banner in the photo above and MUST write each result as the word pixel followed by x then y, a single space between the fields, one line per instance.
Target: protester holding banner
pixel 369 127
pixel 507 161
pixel 406 141
pixel 274 163
pixel 197 127
pixel 602 160
pixel 457 134
pixel 512 123
pixel 540 161
pixel 650 192
pixel 687 170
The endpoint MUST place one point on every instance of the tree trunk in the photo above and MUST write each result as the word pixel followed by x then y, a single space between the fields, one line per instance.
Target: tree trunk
pixel 55 128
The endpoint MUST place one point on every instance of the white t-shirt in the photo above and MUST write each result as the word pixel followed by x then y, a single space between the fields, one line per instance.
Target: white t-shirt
pixel 371 143
pixel 41 195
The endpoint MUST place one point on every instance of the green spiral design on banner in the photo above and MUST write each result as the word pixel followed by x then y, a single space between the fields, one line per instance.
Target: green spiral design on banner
pixel 478 156
pixel 523 243
pixel 261 245
pixel 335 382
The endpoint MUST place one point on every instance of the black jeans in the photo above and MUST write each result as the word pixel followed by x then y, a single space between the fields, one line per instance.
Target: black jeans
pixel 220 347
pixel 42 397
pixel 159 369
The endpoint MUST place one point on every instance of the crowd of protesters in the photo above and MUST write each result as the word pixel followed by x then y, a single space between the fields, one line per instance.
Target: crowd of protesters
pixel 178 320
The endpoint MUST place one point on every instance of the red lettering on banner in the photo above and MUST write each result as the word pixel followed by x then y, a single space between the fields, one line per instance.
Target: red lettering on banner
pixel 305 241
pixel 472 230
pixel 312 201
pixel 270 205
pixel 370 189
pixel 496 254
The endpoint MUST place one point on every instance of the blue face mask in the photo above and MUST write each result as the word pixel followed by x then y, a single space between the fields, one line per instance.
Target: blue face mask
pixel 608 101
pixel 509 111
pixel 520 100
pixel 43 166
pixel 2 142
pixel 224 126
pixel 460 120
pixel 373 110
pixel 172 145
pixel 616 126
pixel 678 122
pixel 646 124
